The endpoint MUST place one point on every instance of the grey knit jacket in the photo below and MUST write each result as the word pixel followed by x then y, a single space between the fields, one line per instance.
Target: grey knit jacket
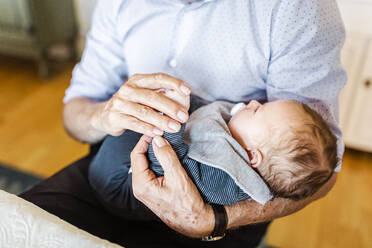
pixel 214 160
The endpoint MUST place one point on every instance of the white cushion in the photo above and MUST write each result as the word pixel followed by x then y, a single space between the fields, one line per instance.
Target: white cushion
pixel 25 225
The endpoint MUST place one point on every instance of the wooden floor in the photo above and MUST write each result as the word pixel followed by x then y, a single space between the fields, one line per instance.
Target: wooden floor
pixel 32 139
pixel 31 132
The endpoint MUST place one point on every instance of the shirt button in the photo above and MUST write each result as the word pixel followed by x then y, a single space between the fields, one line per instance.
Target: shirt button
pixel 173 63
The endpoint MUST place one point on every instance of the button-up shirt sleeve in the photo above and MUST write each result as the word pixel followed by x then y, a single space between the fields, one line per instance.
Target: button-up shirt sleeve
pixel 306 39
pixel 103 66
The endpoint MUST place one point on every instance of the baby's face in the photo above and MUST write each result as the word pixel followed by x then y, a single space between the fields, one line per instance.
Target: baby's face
pixel 257 123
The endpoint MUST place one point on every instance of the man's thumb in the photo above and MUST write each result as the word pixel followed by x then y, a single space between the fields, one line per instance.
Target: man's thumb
pixel 165 155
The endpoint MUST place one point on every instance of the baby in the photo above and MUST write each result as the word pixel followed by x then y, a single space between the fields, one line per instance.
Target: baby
pixel 278 149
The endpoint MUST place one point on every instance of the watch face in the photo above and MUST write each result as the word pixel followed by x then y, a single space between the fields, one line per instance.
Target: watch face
pixel 213 238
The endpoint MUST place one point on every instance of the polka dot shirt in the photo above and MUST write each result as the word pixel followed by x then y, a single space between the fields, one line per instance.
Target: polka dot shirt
pixel 234 50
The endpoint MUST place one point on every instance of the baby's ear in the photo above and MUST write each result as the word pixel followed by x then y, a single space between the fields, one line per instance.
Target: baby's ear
pixel 255 157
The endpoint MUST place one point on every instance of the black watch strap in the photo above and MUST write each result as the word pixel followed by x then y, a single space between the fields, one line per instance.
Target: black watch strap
pixel 220 223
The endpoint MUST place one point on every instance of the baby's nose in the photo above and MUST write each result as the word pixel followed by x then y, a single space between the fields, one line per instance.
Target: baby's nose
pixel 254 103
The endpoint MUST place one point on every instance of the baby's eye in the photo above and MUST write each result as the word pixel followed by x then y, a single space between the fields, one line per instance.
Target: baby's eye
pixel 258 108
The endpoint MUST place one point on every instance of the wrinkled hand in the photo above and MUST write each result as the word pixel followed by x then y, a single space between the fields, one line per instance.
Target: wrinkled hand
pixel 173 197
pixel 136 106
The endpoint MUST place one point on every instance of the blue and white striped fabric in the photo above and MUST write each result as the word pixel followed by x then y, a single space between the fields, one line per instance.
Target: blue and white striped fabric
pixel 215 185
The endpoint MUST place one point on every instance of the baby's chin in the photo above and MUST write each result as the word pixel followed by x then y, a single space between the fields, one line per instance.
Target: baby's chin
pixel 235 133
pixel 230 125
pixel 233 122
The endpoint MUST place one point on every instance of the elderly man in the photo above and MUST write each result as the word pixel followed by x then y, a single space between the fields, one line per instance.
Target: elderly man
pixel 234 50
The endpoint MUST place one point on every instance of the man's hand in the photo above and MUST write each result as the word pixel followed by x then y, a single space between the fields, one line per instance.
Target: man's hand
pixel 250 212
pixel 176 200
pixel 137 103
pixel 173 197
pixel 135 106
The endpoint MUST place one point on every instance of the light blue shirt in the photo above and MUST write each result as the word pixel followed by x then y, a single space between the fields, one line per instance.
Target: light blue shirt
pixel 234 50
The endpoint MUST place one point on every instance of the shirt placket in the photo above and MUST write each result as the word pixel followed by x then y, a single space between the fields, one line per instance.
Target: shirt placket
pixel 182 31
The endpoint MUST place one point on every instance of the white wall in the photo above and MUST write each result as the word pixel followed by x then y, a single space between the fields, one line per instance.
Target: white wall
pixel 84 10
pixel 357 15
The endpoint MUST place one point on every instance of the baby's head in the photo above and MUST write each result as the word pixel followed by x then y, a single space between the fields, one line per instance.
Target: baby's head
pixel 289 145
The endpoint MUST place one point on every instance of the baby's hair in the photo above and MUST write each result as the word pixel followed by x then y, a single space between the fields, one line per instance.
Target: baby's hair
pixel 304 160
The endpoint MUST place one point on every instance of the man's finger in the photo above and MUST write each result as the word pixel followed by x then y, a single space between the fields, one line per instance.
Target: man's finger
pixel 149 115
pixel 138 157
pixel 156 101
pixel 167 157
pixel 121 122
pixel 181 99
pixel 160 80
pixel 143 179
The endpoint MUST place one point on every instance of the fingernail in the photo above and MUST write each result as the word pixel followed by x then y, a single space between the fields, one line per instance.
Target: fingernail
pixel 182 115
pixel 185 90
pixel 174 125
pixel 159 141
pixel 157 131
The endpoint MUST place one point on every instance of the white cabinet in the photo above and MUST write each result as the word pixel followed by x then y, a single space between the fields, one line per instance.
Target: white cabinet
pixel 353 56
pixel 358 118
pixel 356 97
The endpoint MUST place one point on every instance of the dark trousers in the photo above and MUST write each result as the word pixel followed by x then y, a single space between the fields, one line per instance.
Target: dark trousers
pixel 69 196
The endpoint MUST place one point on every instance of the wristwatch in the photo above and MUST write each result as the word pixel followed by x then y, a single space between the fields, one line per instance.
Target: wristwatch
pixel 220 223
